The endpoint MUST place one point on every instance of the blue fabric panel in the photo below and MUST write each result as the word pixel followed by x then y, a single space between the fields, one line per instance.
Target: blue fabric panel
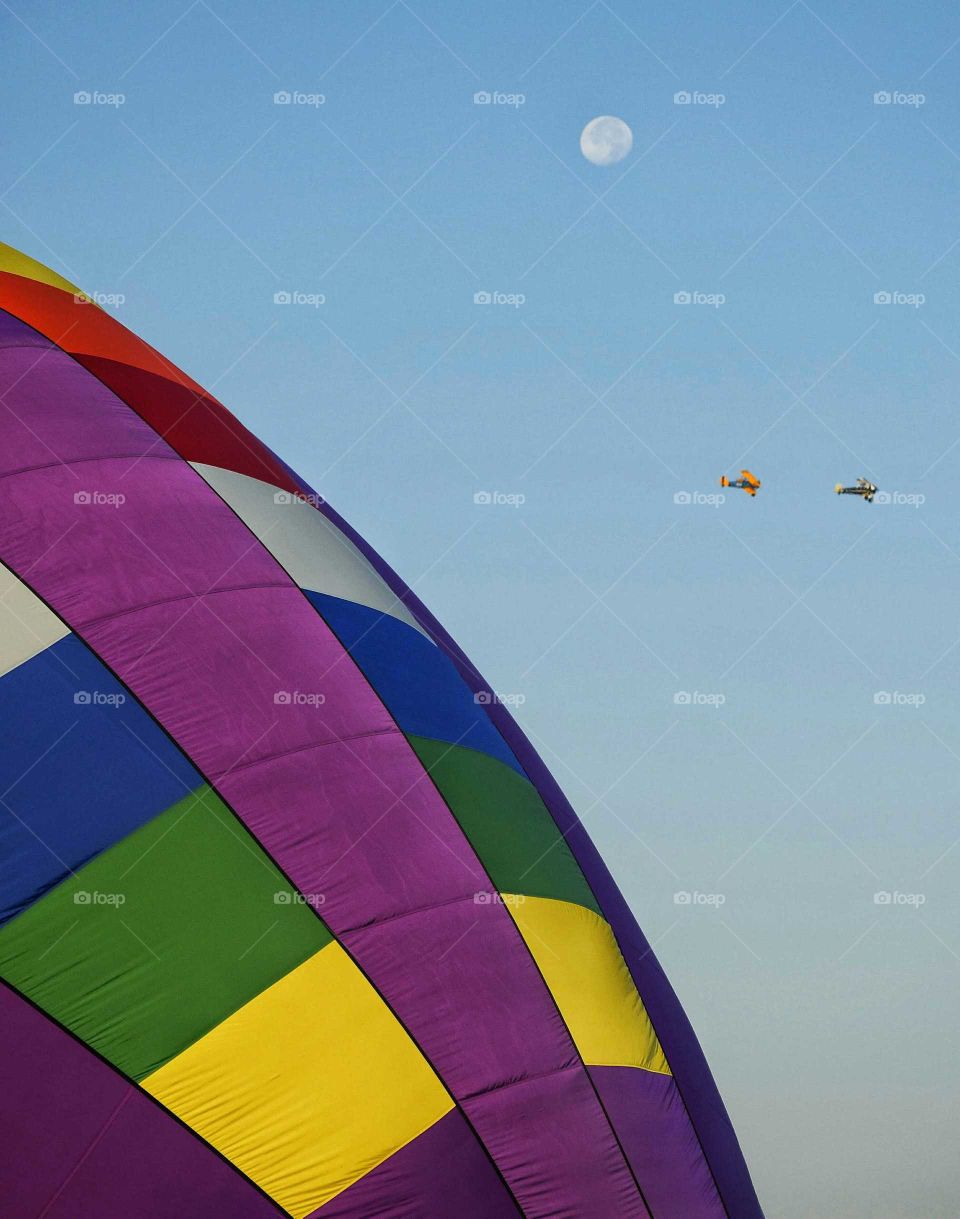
pixel 418 683
pixel 81 766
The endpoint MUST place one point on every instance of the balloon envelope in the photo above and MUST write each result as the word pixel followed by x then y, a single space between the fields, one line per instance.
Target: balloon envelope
pixel 293 920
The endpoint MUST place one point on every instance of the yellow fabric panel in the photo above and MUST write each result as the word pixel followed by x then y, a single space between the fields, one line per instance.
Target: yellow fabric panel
pixel 581 962
pixel 15 263
pixel 308 1086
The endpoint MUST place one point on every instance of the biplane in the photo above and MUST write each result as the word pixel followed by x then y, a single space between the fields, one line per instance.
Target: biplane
pixel 864 488
pixel 746 482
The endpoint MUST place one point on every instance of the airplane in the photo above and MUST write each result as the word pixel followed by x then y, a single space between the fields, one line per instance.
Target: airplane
pixel 746 482
pixel 863 488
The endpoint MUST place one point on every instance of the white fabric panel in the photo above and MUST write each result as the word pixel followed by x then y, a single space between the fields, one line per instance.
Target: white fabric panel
pixel 26 625
pixel 313 551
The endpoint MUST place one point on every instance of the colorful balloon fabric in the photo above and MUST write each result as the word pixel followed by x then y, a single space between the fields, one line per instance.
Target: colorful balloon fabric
pixel 293 920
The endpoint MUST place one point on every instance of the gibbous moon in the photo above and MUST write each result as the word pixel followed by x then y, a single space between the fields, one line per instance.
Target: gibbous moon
pixel 606 140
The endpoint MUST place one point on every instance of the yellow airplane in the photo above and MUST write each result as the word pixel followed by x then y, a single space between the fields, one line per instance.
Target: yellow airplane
pixel 746 482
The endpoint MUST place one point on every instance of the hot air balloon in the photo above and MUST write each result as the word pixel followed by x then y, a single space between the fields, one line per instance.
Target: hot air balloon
pixel 294 919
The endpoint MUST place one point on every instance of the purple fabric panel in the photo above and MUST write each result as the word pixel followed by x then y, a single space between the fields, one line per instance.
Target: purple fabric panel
pixel 592 1190
pixel 50 374
pixel 55 1099
pixel 442 1173
pixel 499 1030
pixel 14 333
pixel 126 576
pixel 77 1134
pixel 212 671
pixel 679 1041
pixel 663 1149
pixel 361 838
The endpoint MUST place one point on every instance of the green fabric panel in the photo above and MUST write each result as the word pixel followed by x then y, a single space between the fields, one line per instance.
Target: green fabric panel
pixel 161 937
pixel 508 825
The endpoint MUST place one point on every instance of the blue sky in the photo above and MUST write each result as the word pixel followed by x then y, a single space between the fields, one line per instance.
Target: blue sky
pixel 826 1017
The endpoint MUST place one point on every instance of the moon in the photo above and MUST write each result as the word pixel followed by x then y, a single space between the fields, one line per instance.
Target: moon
pixel 606 140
